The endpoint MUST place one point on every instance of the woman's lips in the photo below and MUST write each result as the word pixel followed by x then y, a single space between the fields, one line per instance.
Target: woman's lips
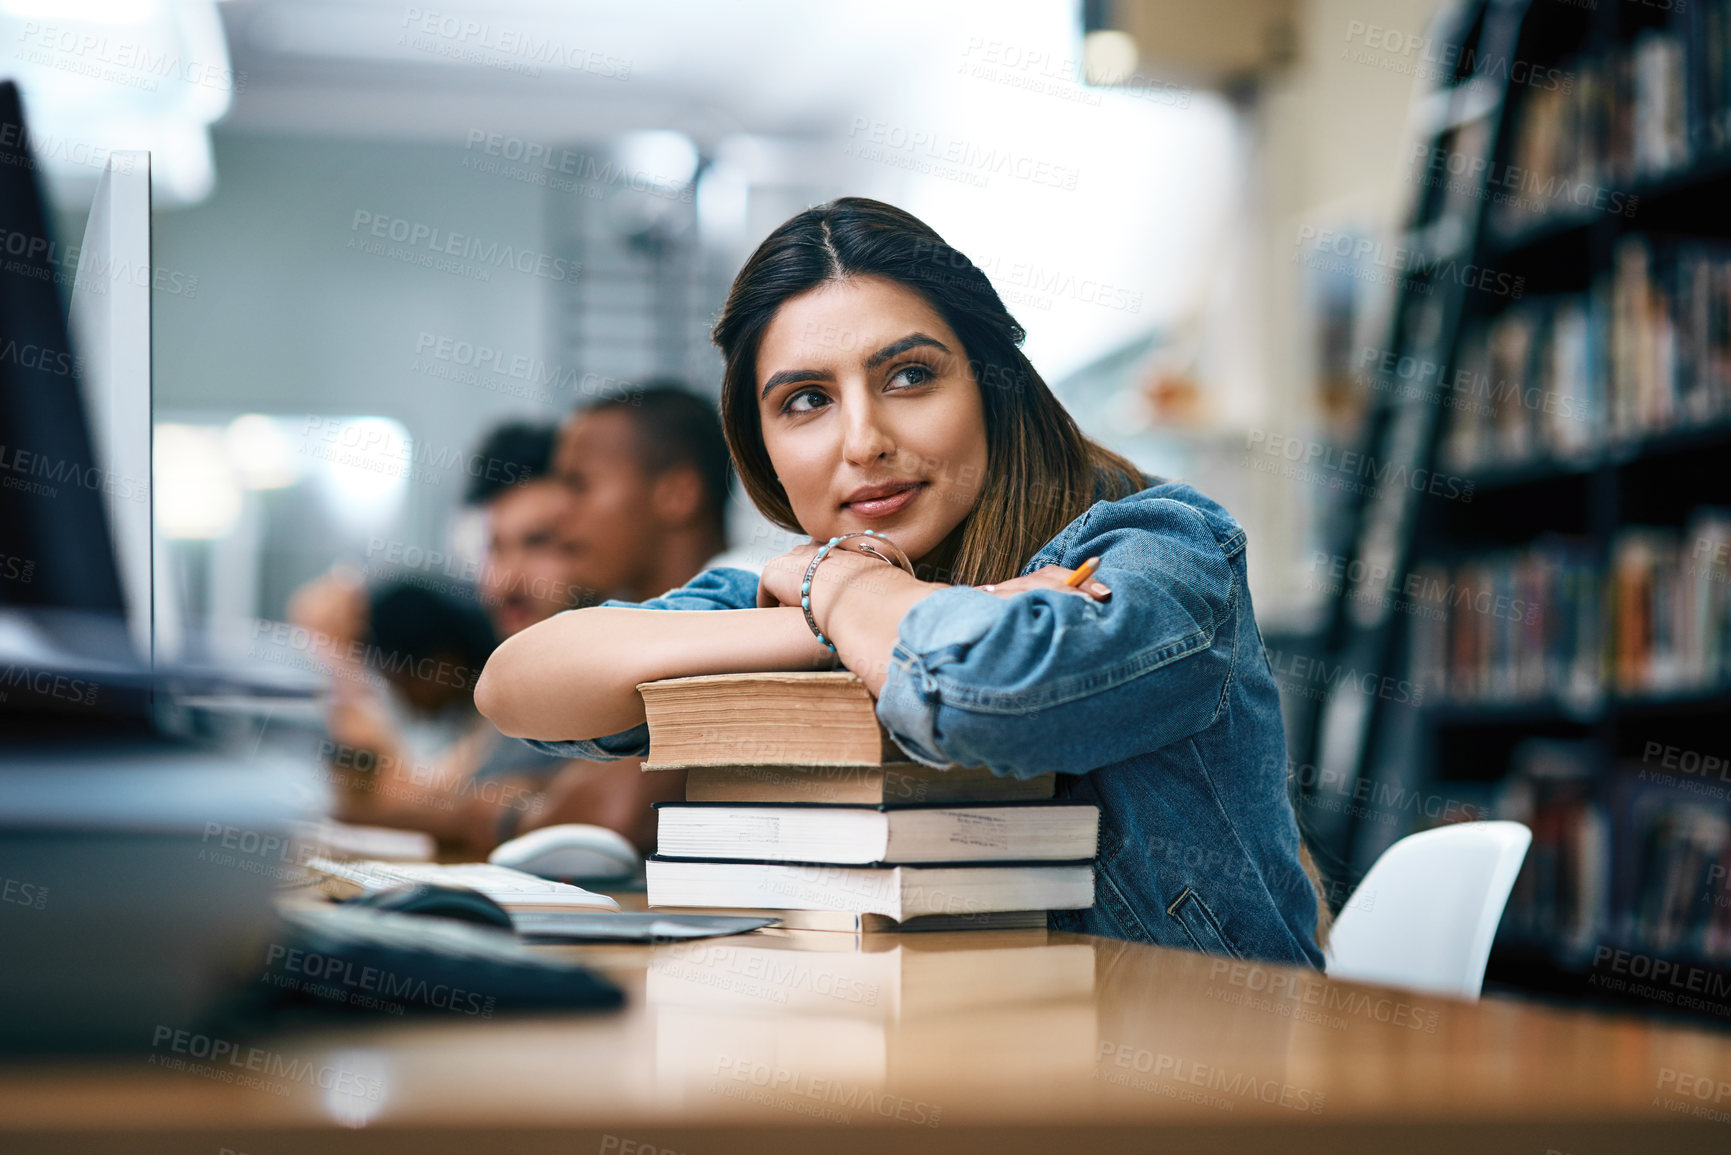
pixel 884 506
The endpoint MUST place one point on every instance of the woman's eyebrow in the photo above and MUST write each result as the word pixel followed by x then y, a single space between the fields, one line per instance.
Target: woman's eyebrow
pixel 911 341
pixel 788 376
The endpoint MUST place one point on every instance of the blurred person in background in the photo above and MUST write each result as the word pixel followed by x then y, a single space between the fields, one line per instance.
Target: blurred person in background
pixel 414 756
pixel 633 498
pixel 403 661
pixel 647 475
pixel 527 575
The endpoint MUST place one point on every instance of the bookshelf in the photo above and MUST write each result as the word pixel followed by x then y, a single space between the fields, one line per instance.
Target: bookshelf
pixel 1568 620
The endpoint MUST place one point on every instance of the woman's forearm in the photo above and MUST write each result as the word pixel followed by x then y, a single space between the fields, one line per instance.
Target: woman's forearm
pixel 575 675
pixel 858 602
pixel 864 619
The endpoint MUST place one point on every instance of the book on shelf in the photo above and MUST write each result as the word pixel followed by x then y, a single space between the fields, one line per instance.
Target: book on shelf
pixel 1661 131
pixel 1709 65
pixel 1682 850
pixel 1561 895
pixel 896 892
pixel 1643 109
pixel 1547 622
pixel 1509 626
pixel 1671 847
pixel 1670 603
pixel 1644 350
pixel 804 832
pixel 1637 859
pixel 1530 385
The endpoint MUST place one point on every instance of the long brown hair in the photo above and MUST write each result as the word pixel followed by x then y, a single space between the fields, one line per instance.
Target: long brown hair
pixel 1041 472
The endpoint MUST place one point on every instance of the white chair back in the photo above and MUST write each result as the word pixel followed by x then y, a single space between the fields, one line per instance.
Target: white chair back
pixel 1425 915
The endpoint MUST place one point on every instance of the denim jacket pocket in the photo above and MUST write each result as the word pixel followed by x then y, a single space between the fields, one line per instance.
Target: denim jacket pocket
pixel 1200 925
pixel 1115 908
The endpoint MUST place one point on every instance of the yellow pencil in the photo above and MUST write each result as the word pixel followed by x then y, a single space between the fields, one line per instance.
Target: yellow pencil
pixel 1083 572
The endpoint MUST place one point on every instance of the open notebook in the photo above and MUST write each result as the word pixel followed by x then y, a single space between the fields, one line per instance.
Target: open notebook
pixel 511 889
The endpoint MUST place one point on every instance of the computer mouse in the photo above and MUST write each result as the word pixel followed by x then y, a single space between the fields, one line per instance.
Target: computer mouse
pixel 574 852
pixel 454 902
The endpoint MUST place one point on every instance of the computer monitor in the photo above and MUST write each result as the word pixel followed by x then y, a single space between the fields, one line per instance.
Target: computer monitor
pixel 110 320
pixel 97 795
pixel 54 533
pixel 114 773
pixel 78 603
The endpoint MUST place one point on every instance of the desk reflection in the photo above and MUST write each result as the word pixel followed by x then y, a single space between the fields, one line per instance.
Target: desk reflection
pixel 840 1028
pixel 1035 1040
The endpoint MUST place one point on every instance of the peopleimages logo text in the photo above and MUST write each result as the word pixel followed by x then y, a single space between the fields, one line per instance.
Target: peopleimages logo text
pixel 463 246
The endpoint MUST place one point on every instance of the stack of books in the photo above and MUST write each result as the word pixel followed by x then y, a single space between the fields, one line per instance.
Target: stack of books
pixel 799 804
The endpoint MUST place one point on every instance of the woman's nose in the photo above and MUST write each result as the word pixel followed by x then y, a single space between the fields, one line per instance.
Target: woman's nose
pixel 865 438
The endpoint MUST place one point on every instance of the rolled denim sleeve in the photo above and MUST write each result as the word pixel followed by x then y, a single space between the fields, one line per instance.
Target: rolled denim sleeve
pixel 632 743
pixel 1050 681
pixel 722 588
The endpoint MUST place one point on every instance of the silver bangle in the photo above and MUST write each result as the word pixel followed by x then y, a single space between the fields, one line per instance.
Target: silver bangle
pixel 805 586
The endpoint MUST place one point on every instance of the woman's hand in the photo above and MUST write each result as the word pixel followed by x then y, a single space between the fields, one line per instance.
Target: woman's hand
pixel 778 584
pixel 782 576
pixel 1049 577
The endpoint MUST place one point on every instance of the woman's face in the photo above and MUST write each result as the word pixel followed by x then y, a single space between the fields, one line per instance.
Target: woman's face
pixel 871 414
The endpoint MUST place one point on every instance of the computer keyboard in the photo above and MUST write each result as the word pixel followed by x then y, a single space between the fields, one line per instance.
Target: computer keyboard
pixel 342 958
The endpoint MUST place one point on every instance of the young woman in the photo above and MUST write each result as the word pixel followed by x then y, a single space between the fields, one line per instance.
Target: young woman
pixel 874 381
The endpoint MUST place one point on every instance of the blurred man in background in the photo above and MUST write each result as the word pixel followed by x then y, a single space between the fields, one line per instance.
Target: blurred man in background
pixel 526 577
pixel 648 476
pixel 631 503
pixel 413 756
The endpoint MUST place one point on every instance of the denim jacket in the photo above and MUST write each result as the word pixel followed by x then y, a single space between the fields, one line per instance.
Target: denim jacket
pixel 1158 705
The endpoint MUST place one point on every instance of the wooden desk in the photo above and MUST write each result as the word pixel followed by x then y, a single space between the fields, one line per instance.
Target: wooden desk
pixel 768 1043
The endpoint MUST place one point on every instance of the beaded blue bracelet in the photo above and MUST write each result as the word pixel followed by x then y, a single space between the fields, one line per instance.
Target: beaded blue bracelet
pixel 823 552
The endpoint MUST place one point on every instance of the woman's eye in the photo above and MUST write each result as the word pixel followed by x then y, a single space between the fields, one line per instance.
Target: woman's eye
pixel 794 402
pixel 914 374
